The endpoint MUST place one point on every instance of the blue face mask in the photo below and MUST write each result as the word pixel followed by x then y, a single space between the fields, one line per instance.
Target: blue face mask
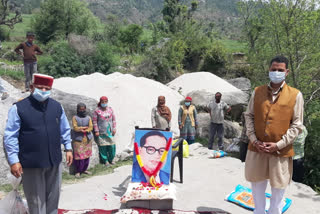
pixel 277 76
pixel 41 95
pixel 103 105
pixel 187 103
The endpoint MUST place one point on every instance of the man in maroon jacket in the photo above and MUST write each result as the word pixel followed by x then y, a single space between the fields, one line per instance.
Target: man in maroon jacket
pixel 29 52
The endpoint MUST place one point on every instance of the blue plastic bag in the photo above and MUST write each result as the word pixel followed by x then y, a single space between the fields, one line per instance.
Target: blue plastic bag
pixel 218 154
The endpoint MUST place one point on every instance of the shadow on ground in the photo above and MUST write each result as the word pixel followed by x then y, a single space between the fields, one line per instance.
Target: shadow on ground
pixel 212 210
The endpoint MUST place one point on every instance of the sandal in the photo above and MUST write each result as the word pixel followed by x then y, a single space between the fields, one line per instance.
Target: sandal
pixel 77 175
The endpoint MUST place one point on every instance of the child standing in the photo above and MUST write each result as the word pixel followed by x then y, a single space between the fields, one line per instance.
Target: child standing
pixel 29 52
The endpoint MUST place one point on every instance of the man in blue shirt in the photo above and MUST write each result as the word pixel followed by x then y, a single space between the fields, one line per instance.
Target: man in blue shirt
pixel 35 130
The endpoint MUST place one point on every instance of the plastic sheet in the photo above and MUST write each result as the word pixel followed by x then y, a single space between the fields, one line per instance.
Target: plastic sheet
pixel 13 203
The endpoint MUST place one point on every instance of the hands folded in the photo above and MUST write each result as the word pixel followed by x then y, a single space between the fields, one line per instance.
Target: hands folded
pixel 267 147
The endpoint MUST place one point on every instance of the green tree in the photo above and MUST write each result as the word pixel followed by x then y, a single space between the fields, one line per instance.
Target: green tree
pixel 176 14
pixel 66 61
pixel 289 28
pixel 5 9
pixel 59 18
pixel 283 27
pixel 112 30
pixel 105 58
pixel 130 37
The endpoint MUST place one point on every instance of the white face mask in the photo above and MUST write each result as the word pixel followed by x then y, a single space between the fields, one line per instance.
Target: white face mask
pixel 277 76
pixel 104 105
pixel 41 95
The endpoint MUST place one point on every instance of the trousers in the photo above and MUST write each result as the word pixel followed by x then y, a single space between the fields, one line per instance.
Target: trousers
pixel 216 128
pixel 29 70
pixel 41 187
pixel 259 198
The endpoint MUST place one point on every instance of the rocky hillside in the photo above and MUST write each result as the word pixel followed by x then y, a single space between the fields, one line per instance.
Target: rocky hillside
pixel 222 14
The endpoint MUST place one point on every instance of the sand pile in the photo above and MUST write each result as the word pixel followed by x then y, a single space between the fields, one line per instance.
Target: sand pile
pixel 5 105
pixel 131 98
pixel 206 81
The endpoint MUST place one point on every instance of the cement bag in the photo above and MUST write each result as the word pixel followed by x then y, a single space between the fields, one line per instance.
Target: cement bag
pixel 242 196
pixel 13 203
pixel 185 148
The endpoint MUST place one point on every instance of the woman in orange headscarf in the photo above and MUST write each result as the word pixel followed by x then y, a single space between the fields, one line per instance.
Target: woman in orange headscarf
pixel 161 115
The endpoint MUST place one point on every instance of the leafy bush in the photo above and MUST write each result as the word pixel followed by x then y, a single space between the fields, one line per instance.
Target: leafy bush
pixel 156 66
pixel 105 58
pixel 215 57
pixel 65 61
pixel 11 56
pixel 4 34
pixel 130 37
pixel 59 18
pixel 312 156
pixel 175 53
pixel 312 146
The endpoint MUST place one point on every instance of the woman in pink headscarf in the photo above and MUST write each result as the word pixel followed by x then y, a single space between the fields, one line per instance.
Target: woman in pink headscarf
pixel 104 124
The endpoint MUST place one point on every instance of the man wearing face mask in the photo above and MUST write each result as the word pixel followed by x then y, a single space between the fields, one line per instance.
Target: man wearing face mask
pixel 35 130
pixel 217 109
pixel 187 119
pixel 274 118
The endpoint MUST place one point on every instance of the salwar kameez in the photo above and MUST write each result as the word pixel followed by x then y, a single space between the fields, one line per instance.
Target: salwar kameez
pixel 107 153
pixel 107 148
pixel 188 131
pixel 82 150
pixel 81 165
pixel 104 122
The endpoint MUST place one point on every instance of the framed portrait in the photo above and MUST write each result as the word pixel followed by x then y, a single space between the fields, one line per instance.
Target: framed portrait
pixel 152 156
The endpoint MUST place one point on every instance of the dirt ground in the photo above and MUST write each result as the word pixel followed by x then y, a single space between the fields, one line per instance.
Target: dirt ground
pixel 19 84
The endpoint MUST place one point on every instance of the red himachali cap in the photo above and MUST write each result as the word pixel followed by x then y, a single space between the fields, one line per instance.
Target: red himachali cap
pixel 189 98
pixel 42 79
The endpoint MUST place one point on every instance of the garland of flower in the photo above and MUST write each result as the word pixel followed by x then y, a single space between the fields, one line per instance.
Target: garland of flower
pixel 157 169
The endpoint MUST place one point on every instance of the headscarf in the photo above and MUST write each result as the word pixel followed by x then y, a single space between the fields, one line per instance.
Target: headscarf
pixel 80 114
pixel 163 110
pixel 101 99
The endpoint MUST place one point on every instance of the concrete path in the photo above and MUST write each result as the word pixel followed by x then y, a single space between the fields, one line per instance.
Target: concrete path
pixel 206 183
